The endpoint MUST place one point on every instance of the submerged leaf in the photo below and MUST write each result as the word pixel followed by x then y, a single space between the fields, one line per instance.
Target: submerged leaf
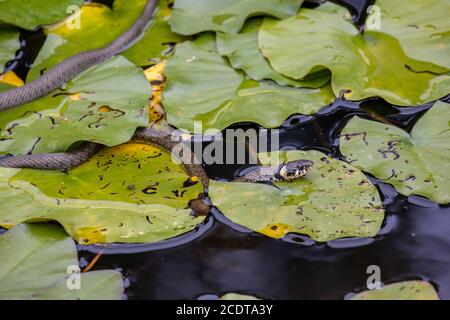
pixel 9 44
pixel 194 16
pixel 421 26
pixel 97 19
pixel 243 51
pixel 104 104
pixel 415 163
pixel 333 201
pixel 406 290
pixel 130 193
pixel 35 260
pixel 204 90
pixel 33 13
pixel 362 65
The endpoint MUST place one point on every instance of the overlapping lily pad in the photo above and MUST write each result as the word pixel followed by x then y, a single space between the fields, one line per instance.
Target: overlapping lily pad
pixel 9 44
pixel 204 90
pixel 362 65
pixel 97 19
pixel 421 26
pixel 243 52
pixel 129 193
pixel 35 261
pixel 414 163
pixel 33 13
pixel 104 104
pixel 195 16
pixel 334 201
pixel 406 290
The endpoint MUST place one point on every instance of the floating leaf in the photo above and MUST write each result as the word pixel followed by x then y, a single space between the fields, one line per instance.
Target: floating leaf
pixel 203 89
pixel 129 193
pixel 421 26
pixel 335 200
pixel 194 16
pixel 35 260
pixel 243 52
pixel 362 65
pixel 105 104
pixel 415 163
pixel 406 290
pixel 238 296
pixel 97 19
pixel 33 13
pixel 9 44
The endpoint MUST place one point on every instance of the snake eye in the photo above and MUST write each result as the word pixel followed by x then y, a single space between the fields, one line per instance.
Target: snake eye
pixel 294 169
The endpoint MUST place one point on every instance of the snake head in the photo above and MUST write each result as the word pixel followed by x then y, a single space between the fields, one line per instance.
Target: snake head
pixel 294 169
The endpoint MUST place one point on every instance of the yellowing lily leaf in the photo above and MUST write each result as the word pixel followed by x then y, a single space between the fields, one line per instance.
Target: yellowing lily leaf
pixel 9 44
pixel 406 290
pixel 362 65
pixel 194 16
pixel 36 259
pixel 97 19
pixel 104 104
pixel 421 26
pixel 414 163
pixel 30 14
pixel 129 193
pixel 204 90
pixel 335 200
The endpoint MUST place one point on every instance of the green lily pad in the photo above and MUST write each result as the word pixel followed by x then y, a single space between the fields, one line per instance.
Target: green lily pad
pixel 203 89
pixel 97 19
pixel 9 44
pixel 335 200
pixel 238 296
pixel 129 193
pixel 243 52
pixel 105 104
pixel 194 16
pixel 33 13
pixel 362 65
pixel 35 261
pixel 415 163
pixel 421 26
pixel 406 290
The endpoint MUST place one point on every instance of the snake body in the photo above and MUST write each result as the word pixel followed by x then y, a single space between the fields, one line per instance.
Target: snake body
pixel 69 68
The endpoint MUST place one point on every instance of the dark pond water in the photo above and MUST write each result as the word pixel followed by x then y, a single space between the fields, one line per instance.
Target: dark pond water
pixel 221 257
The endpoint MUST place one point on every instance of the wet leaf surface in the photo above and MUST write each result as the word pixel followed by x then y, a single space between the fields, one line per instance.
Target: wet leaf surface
pixel 194 16
pixel 97 19
pixel 406 290
pixel 35 260
pixel 9 44
pixel 203 88
pixel 422 28
pixel 104 104
pixel 238 296
pixel 358 62
pixel 416 163
pixel 243 52
pixel 129 193
pixel 335 200
pixel 33 13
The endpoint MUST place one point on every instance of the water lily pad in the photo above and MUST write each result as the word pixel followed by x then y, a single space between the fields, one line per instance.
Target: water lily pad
pixel 9 44
pixel 406 290
pixel 35 260
pixel 243 52
pixel 421 26
pixel 362 65
pixel 238 296
pixel 334 201
pixel 194 16
pixel 129 193
pixel 204 90
pixel 97 19
pixel 105 104
pixel 33 13
pixel 414 163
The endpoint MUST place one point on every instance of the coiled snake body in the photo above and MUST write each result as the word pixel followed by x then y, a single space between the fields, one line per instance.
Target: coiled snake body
pixel 68 69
